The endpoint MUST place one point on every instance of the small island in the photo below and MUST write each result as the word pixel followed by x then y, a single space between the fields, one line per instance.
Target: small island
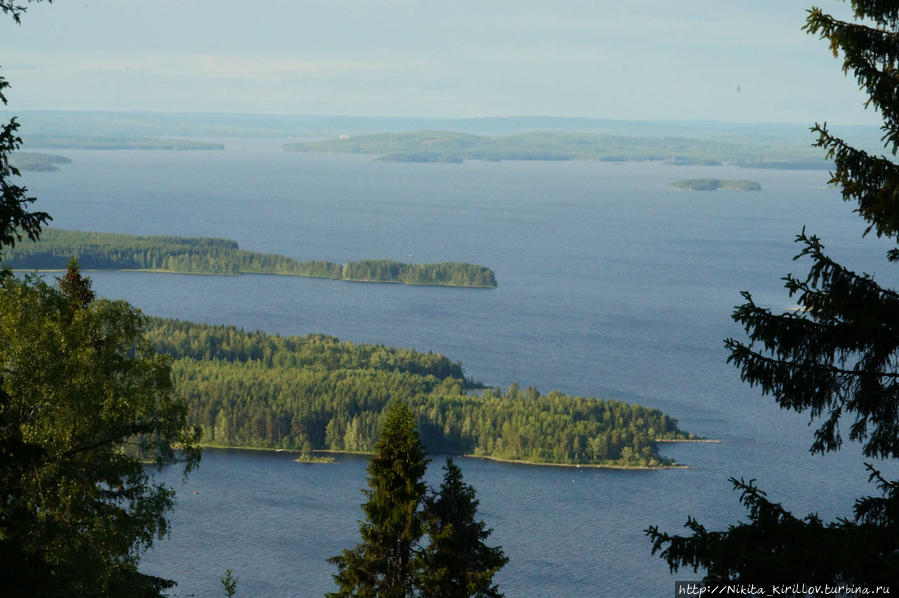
pixel 198 255
pixel 715 184
pixel 37 162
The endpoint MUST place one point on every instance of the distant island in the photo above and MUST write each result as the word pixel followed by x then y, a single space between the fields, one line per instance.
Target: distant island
pixel 36 162
pixel 196 255
pixel 314 394
pixel 117 143
pixel 451 147
pixel 715 184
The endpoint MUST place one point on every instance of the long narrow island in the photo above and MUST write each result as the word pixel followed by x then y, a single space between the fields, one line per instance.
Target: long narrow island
pixel 117 143
pixel 199 255
pixel 315 393
pixel 715 184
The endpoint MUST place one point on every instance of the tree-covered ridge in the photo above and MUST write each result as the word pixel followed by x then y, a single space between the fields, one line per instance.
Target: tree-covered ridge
pixel 198 255
pixel 715 184
pixel 188 340
pixel 117 143
pixel 445 146
pixel 260 390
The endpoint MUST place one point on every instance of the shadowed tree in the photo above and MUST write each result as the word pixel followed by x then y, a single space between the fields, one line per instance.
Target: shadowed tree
pixel 81 393
pixel 835 358
pixel 383 564
pixel 456 563
pixel 75 287
pixel 15 219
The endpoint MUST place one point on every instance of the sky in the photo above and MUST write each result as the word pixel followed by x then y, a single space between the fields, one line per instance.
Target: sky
pixel 685 60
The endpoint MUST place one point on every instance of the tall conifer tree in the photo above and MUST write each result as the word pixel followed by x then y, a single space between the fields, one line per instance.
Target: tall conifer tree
pixel 383 564
pixel 836 358
pixel 456 563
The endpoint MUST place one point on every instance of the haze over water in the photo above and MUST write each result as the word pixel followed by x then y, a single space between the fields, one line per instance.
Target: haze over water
pixel 610 285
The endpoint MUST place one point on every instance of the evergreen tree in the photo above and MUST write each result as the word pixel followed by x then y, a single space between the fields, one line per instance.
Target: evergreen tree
pixel 835 358
pixel 15 219
pixel 75 287
pixel 456 563
pixel 383 564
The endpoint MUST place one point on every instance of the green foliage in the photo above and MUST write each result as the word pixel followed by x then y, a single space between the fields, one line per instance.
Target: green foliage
pixel 834 358
pixel 443 274
pixel 383 564
pixel 222 256
pixel 229 583
pixel 76 288
pixel 776 546
pixel 84 401
pixel 255 389
pixel 456 563
pixel 393 560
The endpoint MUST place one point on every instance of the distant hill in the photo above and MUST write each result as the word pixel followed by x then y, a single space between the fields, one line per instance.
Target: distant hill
pixel 448 146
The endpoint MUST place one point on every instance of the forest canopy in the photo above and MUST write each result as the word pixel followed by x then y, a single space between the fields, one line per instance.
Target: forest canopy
pixel 199 255
pixel 253 389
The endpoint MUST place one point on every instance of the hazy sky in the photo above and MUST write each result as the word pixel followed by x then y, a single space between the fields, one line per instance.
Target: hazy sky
pixel 727 60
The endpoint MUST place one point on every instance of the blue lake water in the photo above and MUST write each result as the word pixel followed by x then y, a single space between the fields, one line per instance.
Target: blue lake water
pixel 610 285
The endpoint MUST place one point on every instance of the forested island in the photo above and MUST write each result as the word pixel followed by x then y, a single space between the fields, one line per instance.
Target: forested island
pixel 446 146
pixel 37 162
pixel 198 255
pixel 252 389
pixel 715 184
pixel 117 143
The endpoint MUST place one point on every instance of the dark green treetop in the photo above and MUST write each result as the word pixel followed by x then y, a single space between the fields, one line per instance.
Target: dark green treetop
pixel 75 287
pixel 383 564
pixel 456 563
pixel 835 358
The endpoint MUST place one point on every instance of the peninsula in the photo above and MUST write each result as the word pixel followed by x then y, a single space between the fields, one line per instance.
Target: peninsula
pixel 198 255
pixel 37 162
pixel 316 393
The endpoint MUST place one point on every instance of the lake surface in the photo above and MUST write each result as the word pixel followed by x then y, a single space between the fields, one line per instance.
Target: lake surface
pixel 610 285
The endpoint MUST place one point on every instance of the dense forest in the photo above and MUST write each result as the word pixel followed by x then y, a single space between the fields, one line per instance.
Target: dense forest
pixel 194 255
pixel 447 273
pixel 259 390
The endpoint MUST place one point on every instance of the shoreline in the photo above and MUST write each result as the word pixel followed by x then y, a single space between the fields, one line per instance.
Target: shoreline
pixel 581 465
pixel 466 456
pixel 160 271
pixel 693 440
